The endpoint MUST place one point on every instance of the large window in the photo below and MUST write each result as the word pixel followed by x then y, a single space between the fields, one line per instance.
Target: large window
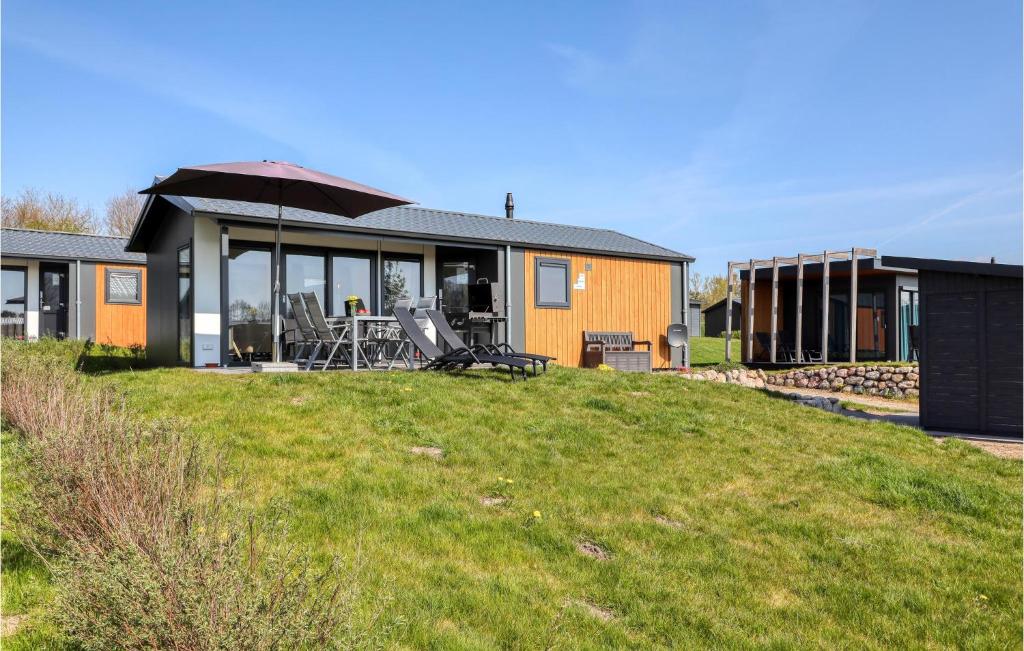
pixel 249 303
pixel 185 304
pixel 351 275
pixel 909 303
pixel 551 282
pixel 123 286
pixel 14 289
pixel 402 278
pixel 305 273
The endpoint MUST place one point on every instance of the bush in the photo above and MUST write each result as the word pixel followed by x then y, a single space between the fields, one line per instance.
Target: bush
pixel 142 554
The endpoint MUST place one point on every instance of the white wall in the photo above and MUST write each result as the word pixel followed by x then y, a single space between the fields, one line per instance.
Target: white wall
pixel 206 289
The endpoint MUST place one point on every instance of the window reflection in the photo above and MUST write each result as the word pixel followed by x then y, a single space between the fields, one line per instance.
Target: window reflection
pixel 249 304
pixel 305 273
pixel 351 276
pixel 12 316
pixel 401 279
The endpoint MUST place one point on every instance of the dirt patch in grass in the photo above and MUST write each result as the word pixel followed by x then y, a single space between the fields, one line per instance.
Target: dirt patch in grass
pixel 668 522
pixel 596 612
pixel 494 501
pixel 639 394
pixel 298 400
pixel 427 451
pixel 9 624
pixel 592 550
pixel 781 598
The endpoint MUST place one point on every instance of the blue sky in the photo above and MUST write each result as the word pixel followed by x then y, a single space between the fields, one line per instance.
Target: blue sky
pixel 725 130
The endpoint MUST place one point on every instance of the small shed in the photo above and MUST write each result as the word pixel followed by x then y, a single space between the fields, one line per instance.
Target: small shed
pixel 694 320
pixel 972 355
pixel 714 317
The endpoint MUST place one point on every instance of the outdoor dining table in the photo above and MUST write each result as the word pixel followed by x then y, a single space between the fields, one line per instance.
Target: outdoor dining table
pixel 353 322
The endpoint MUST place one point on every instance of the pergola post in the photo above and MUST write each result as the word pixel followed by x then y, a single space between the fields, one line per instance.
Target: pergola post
pixel 752 272
pixel 728 314
pixel 824 308
pixel 799 308
pixel 775 309
pixel 853 305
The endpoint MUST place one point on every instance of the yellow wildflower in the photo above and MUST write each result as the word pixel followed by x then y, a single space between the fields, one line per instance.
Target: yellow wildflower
pixel 536 514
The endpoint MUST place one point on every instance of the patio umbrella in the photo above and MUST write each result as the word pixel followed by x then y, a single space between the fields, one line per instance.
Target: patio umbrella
pixel 280 183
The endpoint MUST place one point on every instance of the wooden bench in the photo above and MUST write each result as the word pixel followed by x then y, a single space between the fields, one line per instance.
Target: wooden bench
pixel 616 349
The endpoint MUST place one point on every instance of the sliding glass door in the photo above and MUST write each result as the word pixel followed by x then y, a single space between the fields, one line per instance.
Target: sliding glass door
pixel 305 272
pixel 250 275
pixel 402 278
pixel 351 275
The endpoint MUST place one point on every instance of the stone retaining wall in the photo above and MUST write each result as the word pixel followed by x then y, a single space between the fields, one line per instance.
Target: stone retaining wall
pixel 895 381
pixel 743 376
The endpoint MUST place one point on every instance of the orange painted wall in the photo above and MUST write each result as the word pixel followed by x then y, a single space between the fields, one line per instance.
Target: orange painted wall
pixel 120 325
pixel 622 294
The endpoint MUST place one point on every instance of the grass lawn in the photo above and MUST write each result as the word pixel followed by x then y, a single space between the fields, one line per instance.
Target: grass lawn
pixel 706 351
pixel 726 518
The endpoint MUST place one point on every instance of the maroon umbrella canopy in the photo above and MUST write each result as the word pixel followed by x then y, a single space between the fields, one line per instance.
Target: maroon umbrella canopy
pixel 281 184
pixel 277 183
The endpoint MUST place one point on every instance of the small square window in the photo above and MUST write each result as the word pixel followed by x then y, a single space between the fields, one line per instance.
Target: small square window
pixel 124 286
pixel 551 282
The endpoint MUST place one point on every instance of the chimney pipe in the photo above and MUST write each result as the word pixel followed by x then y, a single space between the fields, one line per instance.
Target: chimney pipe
pixel 510 205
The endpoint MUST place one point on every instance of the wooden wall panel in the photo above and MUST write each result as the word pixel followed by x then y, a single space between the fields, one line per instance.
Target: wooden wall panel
pixel 119 325
pixel 622 294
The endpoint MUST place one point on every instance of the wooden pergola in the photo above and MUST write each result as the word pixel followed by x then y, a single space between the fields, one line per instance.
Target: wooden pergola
pixel 825 258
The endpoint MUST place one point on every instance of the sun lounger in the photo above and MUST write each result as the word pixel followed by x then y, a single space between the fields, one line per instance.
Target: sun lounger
pixel 457 359
pixel 455 343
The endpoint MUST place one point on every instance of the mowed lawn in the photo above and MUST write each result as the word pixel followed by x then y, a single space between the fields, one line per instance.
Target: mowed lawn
pixel 725 517
pixel 705 351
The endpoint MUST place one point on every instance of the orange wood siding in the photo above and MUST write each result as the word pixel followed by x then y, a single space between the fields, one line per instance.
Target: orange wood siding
pixel 119 325
pixel 622 294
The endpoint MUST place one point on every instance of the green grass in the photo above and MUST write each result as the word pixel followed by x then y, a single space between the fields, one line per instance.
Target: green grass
pixel 707 351
pixel 731 519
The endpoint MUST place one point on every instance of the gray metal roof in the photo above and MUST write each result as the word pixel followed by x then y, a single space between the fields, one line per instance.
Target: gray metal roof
pixel 25 243
pixel 446 225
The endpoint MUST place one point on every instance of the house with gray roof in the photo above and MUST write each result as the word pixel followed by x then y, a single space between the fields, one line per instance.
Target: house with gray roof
pixel 535 285
pixel 72 285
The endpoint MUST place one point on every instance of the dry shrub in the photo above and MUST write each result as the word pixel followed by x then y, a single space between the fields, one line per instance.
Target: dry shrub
pixel 143 555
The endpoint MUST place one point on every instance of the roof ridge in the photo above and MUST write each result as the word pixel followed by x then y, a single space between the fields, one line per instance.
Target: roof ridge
pixel 44 230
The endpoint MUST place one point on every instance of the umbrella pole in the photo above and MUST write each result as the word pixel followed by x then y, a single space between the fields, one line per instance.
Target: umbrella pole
pixel 277 282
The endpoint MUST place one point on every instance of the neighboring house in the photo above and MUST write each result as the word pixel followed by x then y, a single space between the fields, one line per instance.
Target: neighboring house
pixel 694 319
pixel 72 285
pixel 886 309
pixel 714 317
pixel 210 284
pixel 971 333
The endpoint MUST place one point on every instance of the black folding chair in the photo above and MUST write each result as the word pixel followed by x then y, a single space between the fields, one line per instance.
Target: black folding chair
pixel 329 337
pixel 305 329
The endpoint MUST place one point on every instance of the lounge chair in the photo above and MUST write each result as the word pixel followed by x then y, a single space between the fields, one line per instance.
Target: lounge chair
pixel 461 359
pixel 455 343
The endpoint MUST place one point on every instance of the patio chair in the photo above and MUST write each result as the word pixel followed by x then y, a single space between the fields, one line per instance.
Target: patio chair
pixel 330 338
pixel 455 343
pixel 304 329
pixel 461 359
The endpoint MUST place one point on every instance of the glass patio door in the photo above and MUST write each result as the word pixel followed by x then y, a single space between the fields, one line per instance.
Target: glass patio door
pixel 250 332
